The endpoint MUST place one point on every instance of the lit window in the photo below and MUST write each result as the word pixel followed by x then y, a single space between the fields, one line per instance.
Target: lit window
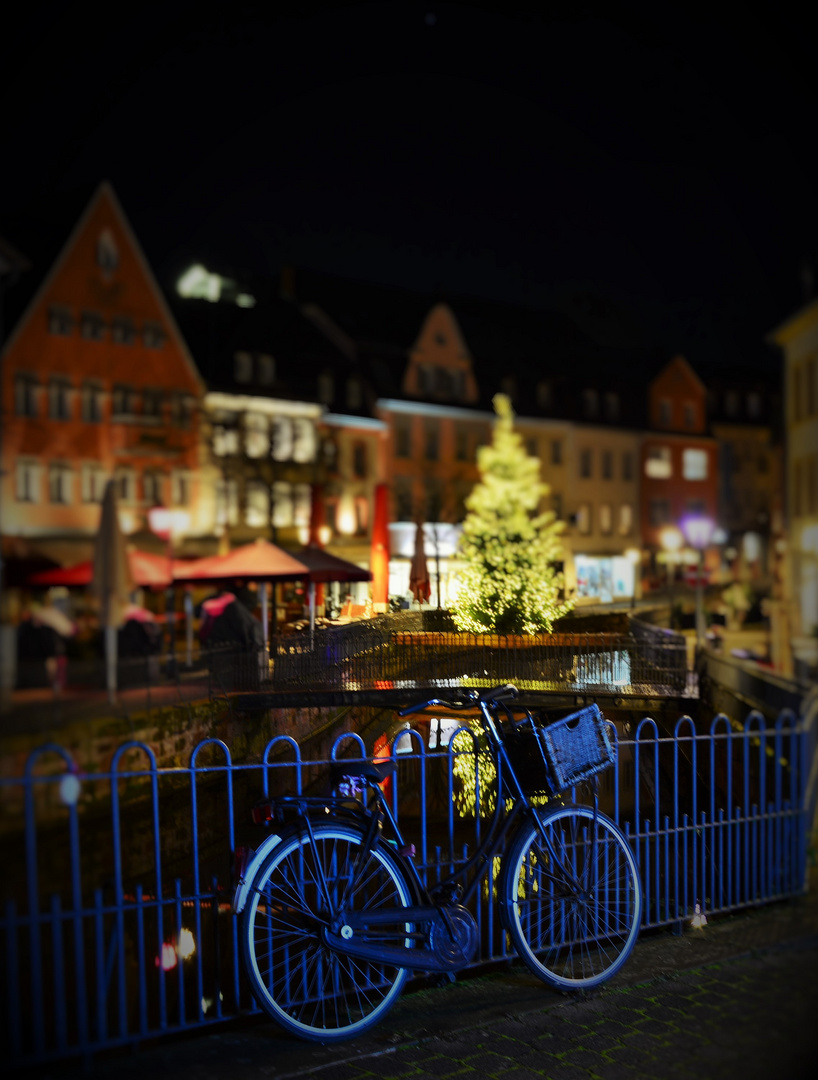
pixel 305 442
pixel 583 517
pixel 152 489
pixel 227 502
pixel 180 487
pixel 605 519
pixel 225 440
pixel 302 504
pixel 27 481
pixel 257 505
pixel 26 392
pixel 625 519
pixel 282 438
pixel 256 435
pixel 694 464
pixel 125 481
pixel 658 465
pixel 59 391
pixel 123 401
pixel 282 504
pixel 92 480
pixel 60 484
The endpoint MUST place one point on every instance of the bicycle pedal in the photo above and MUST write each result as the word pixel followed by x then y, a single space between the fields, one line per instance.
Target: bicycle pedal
pixel 443 978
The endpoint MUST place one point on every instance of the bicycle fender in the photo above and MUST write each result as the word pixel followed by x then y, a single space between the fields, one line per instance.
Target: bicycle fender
pixel 250 871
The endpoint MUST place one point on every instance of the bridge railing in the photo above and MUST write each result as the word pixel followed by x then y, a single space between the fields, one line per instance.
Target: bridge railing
pixel 116 920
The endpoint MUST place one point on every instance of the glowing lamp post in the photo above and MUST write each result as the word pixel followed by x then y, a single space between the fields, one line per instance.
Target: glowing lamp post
pixel 166 523
pixel 698 531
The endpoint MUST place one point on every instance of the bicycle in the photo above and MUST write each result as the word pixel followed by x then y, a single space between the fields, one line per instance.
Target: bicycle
pixel 335 915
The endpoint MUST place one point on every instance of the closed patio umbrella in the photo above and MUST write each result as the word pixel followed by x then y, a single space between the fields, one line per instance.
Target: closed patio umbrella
pixel 112 581
pixel 419 584
pixel 323 567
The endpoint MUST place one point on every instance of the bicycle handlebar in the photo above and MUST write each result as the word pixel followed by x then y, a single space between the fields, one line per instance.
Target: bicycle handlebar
pixel 496 694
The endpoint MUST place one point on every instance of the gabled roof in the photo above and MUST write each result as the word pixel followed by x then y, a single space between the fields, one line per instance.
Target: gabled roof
pixel 53 246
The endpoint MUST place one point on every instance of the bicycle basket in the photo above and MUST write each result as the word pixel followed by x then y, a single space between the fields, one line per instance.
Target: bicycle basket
pixel 548 759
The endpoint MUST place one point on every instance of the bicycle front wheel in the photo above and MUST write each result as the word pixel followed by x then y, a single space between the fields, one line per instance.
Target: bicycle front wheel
pixel 309 989
pixel 572 899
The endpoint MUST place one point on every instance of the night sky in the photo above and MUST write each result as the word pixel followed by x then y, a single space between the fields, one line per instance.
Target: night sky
pixel 663 163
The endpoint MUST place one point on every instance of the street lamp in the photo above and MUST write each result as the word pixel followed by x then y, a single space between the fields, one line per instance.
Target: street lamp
pixel 671 540
pixel 166 523
pixel 698 531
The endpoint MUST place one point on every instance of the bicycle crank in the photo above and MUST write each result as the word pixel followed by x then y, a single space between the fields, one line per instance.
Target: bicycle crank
pixel 452 939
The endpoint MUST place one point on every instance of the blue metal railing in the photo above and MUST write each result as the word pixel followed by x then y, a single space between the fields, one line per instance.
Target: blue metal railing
pixel 116 922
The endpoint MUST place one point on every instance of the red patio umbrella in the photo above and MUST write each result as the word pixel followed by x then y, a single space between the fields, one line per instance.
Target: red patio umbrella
pixel 147 571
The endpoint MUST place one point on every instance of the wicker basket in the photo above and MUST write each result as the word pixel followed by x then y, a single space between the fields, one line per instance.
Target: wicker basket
pixel 548 759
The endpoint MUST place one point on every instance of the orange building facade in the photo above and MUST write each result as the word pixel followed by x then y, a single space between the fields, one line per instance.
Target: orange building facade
pixel 97 383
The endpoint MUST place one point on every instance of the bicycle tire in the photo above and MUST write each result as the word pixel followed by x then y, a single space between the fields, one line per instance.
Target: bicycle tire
pixel 572 932
pixel 309 989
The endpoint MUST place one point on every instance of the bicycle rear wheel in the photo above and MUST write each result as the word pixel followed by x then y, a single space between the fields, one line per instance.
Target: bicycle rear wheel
pixel 572 902
pixel 309 989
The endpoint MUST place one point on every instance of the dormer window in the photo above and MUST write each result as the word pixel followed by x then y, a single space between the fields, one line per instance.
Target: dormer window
pixel 326 388
pixel 266 369
pixel 665 412
pixel 509 386
pixel 243 367
pixel 440 339
pixel 612 406
pixel 545 394
pixel 107 253
pixel 354 395
pixel 590 402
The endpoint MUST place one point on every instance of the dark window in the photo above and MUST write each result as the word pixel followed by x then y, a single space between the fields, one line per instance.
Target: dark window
pixel 60 321
pixel 659 512
pixel 461 444
pixel 26 390
pixel 153 336
pixel 403 499
pixel 124 400
pixel 403 448
pixel 431 443
pixel 123 332
pixel 627 465
pixel 585 463
pixel 152 403
pixel 359 460
pixel 91 403
pixel 556 451
pixel 92 326
pixel 607 465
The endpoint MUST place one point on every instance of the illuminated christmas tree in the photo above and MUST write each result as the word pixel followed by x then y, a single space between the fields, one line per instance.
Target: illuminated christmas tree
pixel 509 583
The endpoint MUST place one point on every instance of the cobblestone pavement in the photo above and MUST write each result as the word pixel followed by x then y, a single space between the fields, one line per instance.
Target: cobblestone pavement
pixel 736 999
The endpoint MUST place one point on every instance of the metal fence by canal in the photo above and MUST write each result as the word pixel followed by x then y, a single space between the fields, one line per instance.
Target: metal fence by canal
pixel 116 920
